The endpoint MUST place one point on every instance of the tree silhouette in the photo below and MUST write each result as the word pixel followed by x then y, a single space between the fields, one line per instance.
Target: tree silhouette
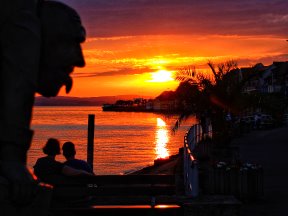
pixel 214 94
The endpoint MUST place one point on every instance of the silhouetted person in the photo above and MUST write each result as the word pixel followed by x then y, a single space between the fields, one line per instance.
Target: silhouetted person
pixel 48 166
pixel 57 33
pixel 48 169
pixel 69 152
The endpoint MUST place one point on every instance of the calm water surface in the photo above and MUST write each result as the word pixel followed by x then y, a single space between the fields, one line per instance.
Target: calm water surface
pixel 124 141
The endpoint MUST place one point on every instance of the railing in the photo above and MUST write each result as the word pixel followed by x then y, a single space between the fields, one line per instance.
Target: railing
pixel 191 139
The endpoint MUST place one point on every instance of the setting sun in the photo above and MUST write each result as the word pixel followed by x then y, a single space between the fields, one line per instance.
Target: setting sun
pixel 161 76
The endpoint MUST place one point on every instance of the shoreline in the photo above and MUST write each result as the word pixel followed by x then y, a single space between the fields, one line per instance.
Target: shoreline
pixel 168 165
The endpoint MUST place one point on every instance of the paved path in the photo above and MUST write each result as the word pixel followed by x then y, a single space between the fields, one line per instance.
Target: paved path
pixel 270 149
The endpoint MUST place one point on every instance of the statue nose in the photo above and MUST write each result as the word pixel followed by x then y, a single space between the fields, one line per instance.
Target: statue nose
pixel 80 61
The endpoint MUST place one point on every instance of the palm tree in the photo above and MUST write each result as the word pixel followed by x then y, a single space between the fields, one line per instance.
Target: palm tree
pixel 217 93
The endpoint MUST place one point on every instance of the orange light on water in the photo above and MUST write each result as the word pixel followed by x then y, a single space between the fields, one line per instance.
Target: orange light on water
pixel 162 138
pixel 162 206
pixel 160 123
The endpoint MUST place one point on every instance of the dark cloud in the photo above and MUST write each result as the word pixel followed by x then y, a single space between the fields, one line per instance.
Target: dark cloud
pixel 266 60
pixel 105 18
pixel 118 72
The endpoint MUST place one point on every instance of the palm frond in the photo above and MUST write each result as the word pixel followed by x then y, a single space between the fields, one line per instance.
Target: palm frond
pixel 180 120
pixel 212 67
pixel 186 74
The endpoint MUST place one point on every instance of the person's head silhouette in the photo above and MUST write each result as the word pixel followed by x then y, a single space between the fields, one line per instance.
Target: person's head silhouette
pixel 52 147
pixel 69 151
pixel 62 33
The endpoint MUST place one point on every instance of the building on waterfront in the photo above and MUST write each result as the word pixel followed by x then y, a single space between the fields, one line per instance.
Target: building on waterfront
pixel 266 79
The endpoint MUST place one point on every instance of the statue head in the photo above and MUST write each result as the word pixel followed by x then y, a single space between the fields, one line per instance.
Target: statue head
pixel 62 35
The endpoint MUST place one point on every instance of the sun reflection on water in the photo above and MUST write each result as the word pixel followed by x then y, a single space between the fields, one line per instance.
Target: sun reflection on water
pixel 162 138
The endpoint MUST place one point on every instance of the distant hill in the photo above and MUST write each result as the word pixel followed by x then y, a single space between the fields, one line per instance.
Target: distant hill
pixel 82 101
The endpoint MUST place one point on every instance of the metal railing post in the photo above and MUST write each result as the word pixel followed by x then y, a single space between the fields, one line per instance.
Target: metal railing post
pixel 191 172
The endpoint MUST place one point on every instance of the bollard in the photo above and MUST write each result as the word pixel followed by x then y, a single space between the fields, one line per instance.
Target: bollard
pixel 90 143
pixel 194 179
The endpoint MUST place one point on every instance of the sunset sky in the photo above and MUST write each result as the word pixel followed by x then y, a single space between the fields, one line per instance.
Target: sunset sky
pixel 134 46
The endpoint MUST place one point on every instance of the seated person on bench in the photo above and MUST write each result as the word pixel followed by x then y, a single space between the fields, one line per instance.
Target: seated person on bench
pixel 47 169
pixel 69 153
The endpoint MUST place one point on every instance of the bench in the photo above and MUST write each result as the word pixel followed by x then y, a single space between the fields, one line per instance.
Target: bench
pixel 114 193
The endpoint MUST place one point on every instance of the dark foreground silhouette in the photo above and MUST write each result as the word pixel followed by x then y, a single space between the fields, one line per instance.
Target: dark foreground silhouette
pixel 39 47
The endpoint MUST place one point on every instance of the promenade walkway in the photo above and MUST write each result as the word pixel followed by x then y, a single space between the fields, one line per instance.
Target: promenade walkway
pixel 270 149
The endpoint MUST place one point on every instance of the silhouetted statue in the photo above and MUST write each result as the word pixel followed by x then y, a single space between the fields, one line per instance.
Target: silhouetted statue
pixel 61 51
pixel 39 47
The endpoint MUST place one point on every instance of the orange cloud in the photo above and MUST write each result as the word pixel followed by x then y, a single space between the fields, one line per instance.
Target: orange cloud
pixel 129 40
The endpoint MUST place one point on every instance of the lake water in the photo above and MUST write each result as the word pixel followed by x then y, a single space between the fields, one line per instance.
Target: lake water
pixel 124 141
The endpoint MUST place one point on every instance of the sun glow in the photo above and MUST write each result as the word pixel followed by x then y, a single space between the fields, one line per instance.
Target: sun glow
pixel 161 76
